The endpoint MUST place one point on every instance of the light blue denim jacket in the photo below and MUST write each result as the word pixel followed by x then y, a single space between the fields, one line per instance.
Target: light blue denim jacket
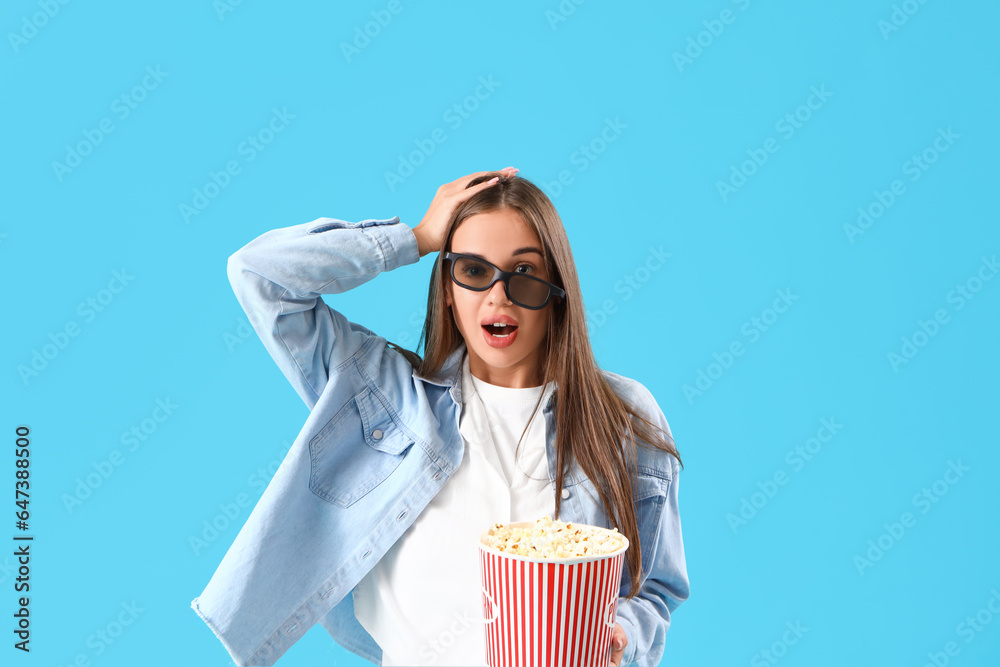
pixel 379 443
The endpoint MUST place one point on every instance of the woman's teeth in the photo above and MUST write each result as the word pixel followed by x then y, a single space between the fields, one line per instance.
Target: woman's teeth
pixel 495 330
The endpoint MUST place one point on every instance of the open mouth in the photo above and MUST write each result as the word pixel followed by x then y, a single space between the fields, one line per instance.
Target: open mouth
pixel 499 330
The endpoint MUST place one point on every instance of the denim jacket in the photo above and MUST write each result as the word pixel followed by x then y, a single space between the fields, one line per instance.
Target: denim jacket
pixel 379 443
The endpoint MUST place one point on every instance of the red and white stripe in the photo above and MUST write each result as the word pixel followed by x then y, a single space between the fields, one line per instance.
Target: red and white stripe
pixel 548 613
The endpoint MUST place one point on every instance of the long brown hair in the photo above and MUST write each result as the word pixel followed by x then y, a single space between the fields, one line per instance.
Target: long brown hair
pixel 589 414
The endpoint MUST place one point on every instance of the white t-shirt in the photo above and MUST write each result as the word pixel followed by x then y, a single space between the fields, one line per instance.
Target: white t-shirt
pixel 422 602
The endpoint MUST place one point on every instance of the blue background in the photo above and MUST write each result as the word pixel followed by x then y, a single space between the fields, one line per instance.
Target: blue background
pixel 176 333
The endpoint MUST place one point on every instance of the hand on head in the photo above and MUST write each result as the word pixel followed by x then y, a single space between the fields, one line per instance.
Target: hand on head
pixel 430 231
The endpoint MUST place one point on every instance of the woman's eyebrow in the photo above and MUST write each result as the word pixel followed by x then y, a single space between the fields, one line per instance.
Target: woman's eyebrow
pixel 519 251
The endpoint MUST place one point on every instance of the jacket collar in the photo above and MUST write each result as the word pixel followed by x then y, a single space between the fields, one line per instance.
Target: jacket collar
pixel 450 375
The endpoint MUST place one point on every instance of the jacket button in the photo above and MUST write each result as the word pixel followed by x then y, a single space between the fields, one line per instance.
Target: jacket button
pixel 565 494
pixel 377 434
pixel 437 475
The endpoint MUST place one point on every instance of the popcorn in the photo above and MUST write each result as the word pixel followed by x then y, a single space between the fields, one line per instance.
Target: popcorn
pixel 554 539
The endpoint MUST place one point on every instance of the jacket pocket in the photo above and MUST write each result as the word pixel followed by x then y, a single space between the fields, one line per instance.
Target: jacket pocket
pixel 356 451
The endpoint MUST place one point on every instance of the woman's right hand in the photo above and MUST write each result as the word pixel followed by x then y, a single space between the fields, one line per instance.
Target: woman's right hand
pixel 430 231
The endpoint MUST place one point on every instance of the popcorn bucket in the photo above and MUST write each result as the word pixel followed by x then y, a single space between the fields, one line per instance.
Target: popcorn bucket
pixel 551 612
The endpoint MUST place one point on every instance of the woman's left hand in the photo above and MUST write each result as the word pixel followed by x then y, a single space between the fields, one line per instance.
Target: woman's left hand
pixel 618 642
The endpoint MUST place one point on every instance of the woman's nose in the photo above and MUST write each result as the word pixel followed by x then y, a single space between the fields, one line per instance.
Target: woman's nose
pixel 497 293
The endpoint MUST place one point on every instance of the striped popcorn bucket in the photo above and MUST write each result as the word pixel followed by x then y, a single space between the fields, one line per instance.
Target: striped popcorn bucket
pixel 549 612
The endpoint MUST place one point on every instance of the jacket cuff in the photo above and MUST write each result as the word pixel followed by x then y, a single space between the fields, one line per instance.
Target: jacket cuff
pixel 395 239
pixel 624 617
pixel 400 244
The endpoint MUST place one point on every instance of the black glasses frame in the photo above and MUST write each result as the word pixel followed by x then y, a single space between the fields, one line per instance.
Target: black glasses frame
pixel 505 276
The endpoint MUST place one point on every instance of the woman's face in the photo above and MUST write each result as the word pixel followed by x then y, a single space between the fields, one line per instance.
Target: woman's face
pixel 497 236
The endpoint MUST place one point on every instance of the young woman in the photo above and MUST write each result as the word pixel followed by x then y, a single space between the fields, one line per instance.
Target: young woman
pixel 371 523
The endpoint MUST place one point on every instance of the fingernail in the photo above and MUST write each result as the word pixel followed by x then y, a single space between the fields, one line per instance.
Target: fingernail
pixel 493 180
